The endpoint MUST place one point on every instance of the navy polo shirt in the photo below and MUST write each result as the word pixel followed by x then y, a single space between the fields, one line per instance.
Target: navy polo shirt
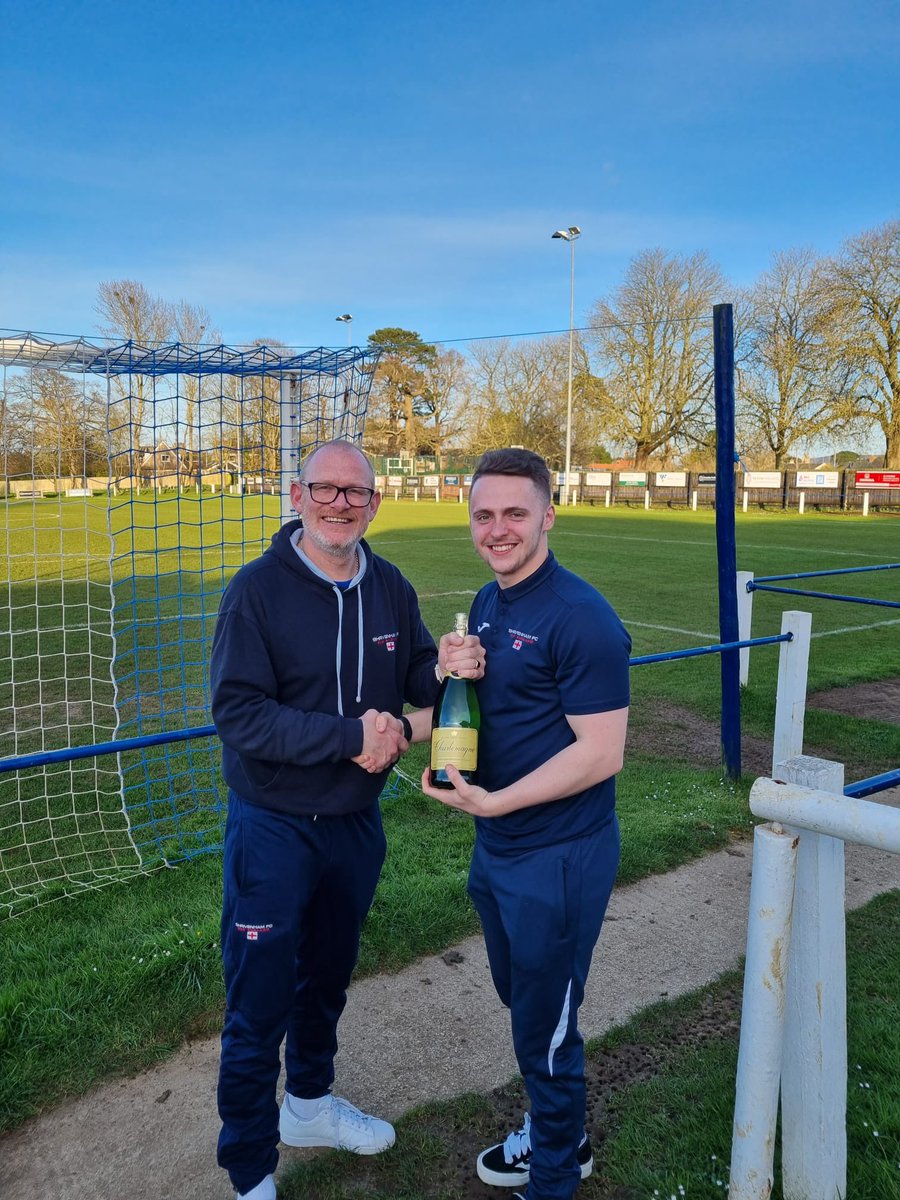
pixel 555 647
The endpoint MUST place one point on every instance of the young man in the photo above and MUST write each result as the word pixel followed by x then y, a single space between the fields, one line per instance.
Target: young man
pixel 317 645
pixel 554 709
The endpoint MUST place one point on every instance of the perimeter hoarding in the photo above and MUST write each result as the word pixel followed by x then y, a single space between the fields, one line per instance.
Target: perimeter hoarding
pixel 877 479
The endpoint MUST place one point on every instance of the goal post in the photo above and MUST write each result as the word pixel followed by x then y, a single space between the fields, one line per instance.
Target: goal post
pixel 135 481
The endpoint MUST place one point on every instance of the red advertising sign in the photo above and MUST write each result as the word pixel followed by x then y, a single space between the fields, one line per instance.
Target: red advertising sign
pixel 877 479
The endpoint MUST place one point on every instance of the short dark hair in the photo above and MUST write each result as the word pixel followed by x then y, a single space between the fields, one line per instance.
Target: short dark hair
pixel 516 461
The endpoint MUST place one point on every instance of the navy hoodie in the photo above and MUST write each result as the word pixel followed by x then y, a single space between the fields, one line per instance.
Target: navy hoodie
pixel 296 661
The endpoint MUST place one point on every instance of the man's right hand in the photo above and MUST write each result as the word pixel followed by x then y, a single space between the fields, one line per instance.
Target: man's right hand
pixel 383 741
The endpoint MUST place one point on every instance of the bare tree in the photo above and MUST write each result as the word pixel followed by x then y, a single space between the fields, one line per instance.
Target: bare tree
pixel 446 376
pixel 61 423
pixel 654 344
pixel 130 313
pixel 864 289
pixel 794 384
pixel 191 325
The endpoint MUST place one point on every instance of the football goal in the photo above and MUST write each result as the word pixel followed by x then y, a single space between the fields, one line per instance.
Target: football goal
pixel 134 482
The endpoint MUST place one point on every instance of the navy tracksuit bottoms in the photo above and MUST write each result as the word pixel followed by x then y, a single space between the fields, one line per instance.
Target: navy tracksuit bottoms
pixel 296 893
pixel 541 911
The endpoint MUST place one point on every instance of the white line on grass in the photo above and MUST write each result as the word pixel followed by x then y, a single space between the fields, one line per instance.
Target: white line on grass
pixel 437 595
pixel 710 637
pixel 616 537
pixel 856 628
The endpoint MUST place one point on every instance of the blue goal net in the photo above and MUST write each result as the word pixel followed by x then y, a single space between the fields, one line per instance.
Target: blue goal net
pixel 135 482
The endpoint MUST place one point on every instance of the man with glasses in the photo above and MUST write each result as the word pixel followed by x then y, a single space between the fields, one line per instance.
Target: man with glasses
pixel 318 644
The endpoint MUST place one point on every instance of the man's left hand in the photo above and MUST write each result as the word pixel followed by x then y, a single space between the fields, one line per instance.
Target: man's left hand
pixel 464 796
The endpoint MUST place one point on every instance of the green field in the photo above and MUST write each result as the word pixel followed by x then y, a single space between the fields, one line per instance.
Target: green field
pixel 110 980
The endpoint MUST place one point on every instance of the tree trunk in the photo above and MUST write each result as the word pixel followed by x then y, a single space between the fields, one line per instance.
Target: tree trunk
pixel 641 455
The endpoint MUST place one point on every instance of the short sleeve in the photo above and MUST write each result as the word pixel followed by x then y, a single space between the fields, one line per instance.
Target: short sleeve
pixel 592 650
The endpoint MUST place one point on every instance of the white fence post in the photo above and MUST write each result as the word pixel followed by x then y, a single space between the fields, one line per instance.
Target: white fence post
pixel 817 821
pixel 608 493
pixel 762 1020
pixel 790 698
pixel 865 504
pixel 693 501
pixel 744 505
pixel 647 498
pixel 745 621
pixel 814 1062
pixel 801 506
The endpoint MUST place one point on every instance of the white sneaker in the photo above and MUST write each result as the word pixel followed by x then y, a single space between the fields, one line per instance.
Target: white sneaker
pixel 338 1124
pixel 264 1190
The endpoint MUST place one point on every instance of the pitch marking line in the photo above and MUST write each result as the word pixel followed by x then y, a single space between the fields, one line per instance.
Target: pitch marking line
pixel 856 628
pixel 711 545
pixel 437 595
pixel 709 637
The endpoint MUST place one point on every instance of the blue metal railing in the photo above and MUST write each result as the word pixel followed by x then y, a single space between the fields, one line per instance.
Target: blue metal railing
pixel 764 582
pixel 875 783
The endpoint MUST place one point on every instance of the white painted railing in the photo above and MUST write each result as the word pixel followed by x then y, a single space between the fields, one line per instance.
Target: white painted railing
pixel 794 1020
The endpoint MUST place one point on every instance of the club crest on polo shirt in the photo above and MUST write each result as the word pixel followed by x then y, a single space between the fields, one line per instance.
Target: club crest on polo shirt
pixel 252 932
pixel 520 639
pixel 387 640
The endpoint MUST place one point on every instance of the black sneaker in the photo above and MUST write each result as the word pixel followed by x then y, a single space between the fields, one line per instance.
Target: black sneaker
pixel 508 1164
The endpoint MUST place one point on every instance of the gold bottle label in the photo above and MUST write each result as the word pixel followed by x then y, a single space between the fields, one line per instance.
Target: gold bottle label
pixel 458 747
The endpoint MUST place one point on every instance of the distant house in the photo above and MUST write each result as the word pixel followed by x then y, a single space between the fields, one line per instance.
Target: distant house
pixel 162 463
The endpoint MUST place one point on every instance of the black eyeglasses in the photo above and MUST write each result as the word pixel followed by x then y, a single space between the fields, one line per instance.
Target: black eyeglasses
pixel 326 493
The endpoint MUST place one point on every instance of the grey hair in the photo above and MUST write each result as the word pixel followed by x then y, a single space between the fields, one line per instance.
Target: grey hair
pixel 343 444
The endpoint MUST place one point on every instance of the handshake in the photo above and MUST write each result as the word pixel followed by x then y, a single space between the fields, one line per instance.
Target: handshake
pixel 383 741
pixel 383 737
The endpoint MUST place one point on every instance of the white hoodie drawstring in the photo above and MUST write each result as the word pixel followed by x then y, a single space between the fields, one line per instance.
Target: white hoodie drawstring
pixel 339 592
pixel 359 642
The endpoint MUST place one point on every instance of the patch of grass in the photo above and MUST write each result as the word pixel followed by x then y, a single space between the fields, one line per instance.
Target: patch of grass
pixel 664 1133
pixel 106 982
pixel 672 816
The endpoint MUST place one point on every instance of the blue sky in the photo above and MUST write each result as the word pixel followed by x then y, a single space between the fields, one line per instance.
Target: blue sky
pixel 281 163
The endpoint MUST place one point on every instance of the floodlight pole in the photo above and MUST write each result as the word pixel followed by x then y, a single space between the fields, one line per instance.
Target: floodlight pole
pixel 347 319
pixel 569 235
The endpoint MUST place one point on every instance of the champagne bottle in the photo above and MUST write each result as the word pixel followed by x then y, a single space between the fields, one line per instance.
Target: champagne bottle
pixel 454 726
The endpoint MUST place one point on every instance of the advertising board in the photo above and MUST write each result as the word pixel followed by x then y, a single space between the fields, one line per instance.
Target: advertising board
pixel 877 479
pixel 818 479
pixel 762 479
